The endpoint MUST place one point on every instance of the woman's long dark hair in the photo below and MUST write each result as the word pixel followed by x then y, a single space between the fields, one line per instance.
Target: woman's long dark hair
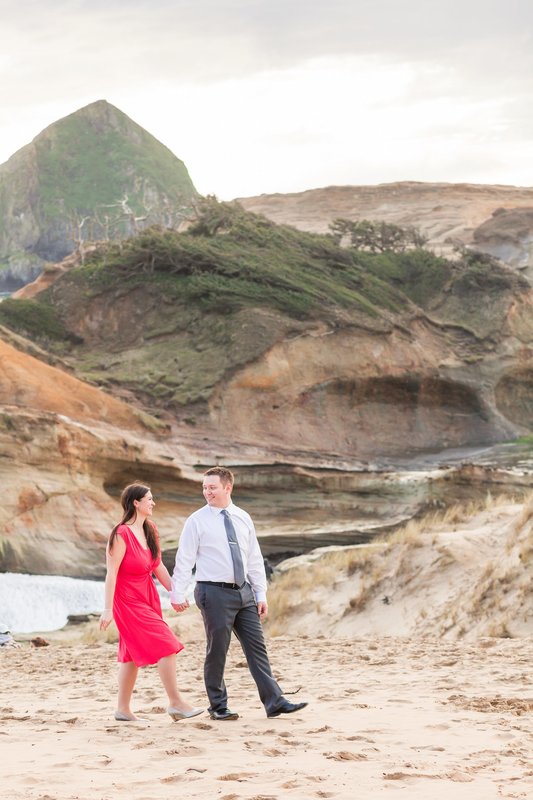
pixel 136 491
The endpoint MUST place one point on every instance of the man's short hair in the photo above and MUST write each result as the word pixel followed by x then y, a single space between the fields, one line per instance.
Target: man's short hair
pixel 225 475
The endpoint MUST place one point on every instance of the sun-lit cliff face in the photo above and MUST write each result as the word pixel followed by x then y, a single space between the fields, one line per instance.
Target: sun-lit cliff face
pixel 374 396
pixel 66 450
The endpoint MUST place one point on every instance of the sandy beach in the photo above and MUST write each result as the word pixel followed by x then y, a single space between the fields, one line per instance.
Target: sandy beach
pixel 387 716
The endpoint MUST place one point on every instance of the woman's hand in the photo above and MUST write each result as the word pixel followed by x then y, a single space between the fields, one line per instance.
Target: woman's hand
pixel 106 619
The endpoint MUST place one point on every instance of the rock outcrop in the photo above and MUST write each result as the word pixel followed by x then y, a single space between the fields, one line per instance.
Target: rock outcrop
pixel 66 449
pixel 508 235
pixel 405 355
pixel 95 174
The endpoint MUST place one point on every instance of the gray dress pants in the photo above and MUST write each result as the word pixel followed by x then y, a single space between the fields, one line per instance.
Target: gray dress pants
pixel 223 611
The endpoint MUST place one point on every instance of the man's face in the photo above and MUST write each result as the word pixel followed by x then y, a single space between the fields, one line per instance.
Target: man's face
pixel 215 492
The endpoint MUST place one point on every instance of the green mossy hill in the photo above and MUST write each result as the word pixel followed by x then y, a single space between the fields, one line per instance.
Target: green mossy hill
pixel 168 315
pixel 95 174
pixel 94 157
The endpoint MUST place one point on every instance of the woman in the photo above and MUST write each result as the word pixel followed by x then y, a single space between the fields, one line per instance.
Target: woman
pixel 131 598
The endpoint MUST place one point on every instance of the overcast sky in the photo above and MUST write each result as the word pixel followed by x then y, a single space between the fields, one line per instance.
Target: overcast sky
pixel 285 95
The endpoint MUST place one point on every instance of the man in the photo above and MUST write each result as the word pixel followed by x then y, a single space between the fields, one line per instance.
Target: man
pixel 230 593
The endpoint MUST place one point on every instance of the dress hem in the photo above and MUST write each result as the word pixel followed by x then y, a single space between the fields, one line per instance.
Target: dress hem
pixel 150 663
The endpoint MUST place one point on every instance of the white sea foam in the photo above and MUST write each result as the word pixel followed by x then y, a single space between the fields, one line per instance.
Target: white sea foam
pixel 43 602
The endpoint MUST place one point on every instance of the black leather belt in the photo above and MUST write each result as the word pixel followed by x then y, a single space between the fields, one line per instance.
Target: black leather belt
pixel 223 585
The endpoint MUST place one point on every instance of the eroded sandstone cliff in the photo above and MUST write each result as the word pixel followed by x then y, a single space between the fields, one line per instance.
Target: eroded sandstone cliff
pixel 311 370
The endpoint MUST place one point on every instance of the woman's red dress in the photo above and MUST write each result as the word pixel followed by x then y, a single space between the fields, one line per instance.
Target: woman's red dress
pixel 144 635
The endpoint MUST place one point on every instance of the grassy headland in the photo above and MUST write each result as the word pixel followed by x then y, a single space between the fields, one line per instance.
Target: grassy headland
pixel 167 315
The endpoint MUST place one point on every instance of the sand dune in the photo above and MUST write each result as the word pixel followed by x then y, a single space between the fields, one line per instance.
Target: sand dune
pixel 459 575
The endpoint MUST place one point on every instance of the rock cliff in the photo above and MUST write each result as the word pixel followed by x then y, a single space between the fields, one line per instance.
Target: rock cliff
pixel 290 341
pixel 312 369
pixel 67 449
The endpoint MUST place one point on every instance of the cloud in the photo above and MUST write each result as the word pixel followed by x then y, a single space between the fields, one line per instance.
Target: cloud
pixel 208 39
pixel 265 95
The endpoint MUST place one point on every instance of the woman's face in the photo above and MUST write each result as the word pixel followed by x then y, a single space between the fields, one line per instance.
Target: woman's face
pixel 145 505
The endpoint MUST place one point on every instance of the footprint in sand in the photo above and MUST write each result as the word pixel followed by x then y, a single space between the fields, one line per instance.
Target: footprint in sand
pixel 237 776
pixel 430 747
pixel 187 750
pixel 345 755
pixel 360 739
pixel 179 778
pixel 273 752
pixel 264 797
pixel 252 745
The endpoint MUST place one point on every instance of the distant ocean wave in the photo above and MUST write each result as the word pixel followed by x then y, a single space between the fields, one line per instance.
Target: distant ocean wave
pixel 31 603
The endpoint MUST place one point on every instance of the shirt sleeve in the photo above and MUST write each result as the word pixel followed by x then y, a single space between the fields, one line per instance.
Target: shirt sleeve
pixel 256 568
pixel 185 561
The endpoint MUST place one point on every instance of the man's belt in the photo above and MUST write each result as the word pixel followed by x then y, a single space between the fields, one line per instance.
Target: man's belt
pixel 223 585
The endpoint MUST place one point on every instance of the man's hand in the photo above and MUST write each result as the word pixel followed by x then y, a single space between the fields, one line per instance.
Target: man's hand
pixel 180 606
pixel 262 609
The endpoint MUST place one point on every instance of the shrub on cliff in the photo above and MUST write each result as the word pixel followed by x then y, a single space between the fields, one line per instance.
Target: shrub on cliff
pixel 36 320
pixel 376 236
pixel 230 259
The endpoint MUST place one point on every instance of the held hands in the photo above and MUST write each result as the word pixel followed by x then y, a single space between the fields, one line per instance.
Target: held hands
pixel 106 619
pixel 180 606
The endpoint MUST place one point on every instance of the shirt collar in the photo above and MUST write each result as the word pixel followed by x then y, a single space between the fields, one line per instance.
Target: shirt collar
pixel 230 509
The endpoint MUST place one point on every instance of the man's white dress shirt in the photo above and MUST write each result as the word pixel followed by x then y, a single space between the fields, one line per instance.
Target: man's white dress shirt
pixel 204 542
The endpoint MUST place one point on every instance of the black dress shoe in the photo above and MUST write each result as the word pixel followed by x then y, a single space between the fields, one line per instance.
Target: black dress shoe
pixel 286 708
pixel 223 713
